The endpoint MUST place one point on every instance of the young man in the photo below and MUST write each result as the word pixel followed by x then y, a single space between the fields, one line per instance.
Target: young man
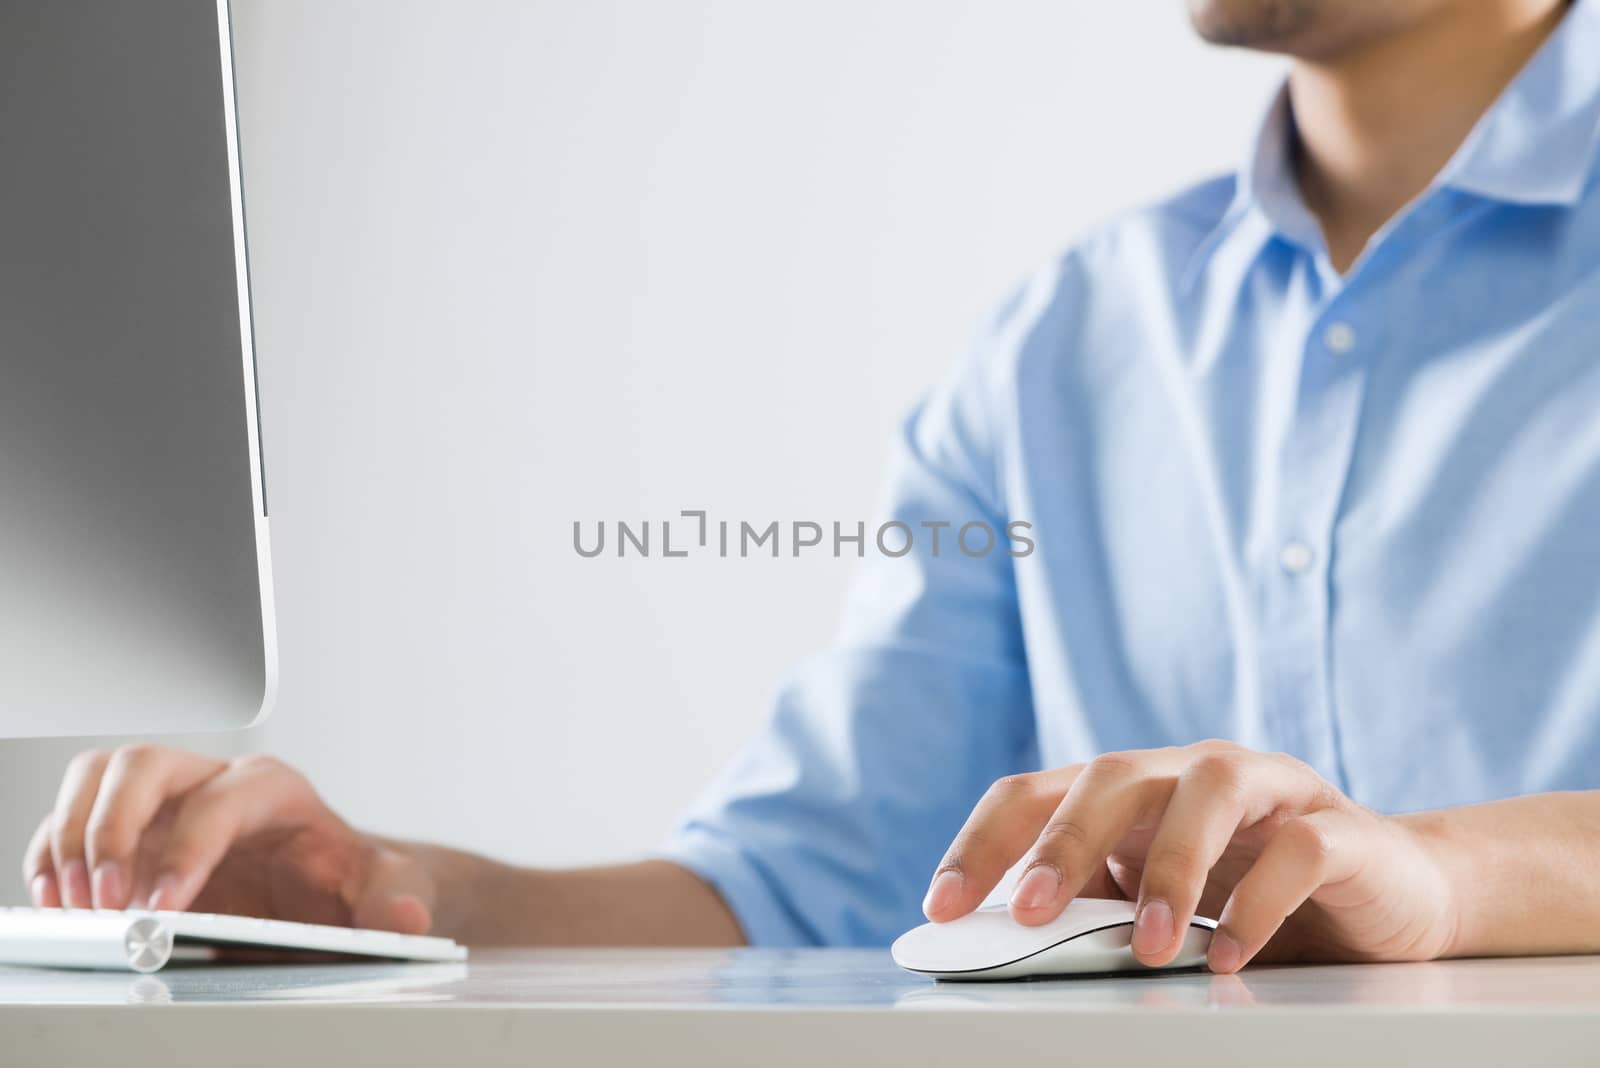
pixel 1312 458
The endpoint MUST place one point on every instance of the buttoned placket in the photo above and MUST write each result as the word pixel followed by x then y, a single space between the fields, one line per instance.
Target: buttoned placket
pixel 1294 577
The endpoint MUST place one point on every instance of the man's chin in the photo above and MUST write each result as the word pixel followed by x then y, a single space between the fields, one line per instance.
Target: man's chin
pixel 1296 27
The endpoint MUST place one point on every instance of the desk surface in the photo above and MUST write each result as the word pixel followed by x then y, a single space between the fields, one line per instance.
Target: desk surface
pixel 707 1007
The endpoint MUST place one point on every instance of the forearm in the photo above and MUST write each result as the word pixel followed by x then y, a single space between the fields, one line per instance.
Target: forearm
pixel 1526 873
pixel 652 902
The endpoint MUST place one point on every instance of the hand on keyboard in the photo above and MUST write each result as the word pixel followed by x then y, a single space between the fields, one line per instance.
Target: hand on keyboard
pixel 161 828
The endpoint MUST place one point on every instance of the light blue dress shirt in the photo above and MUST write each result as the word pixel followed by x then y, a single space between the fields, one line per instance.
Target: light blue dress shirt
pixel 1355 519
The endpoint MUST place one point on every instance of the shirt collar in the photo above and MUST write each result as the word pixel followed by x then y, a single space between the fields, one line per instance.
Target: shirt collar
pixel 1264 192
pixel 1537 144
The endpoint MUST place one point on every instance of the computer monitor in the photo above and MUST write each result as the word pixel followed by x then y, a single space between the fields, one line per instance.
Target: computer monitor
pixel 134 584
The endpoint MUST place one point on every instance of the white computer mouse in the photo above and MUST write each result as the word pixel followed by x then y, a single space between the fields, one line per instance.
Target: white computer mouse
pixel 1091 935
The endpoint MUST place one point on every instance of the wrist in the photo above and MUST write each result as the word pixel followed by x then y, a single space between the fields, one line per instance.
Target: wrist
pixel 486 902
pixel 1449 885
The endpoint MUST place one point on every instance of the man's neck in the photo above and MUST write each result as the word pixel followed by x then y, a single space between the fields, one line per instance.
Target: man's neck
pixel 1377 124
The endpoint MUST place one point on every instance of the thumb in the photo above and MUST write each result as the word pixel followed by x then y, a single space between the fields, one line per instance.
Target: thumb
pixel 396 895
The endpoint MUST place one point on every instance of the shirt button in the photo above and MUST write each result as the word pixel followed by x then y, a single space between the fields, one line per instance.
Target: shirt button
pixel 1296 558
pixel 1339 337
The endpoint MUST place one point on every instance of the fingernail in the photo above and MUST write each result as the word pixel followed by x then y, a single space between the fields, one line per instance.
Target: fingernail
pixel 75 885
pixel 164 894
pixel 1038 888
pixel 108 885
pixel 1224 954
pixel 45 894
pixel 942 893
pixel 1152 928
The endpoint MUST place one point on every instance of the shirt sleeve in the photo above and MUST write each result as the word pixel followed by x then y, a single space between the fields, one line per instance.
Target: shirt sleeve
pixel 826 830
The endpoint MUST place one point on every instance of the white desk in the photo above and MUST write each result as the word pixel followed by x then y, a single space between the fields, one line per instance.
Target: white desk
pixel 818 1008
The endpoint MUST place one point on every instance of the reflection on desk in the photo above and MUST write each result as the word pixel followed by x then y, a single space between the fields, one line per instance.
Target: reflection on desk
pixel 690 978
pixel 709 1007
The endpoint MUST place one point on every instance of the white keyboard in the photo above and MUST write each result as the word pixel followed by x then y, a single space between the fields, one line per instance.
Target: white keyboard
pixel 145 941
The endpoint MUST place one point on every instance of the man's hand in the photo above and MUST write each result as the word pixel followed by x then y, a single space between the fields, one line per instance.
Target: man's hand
pixel 147 825
pixel 165 829
pixel 1292 868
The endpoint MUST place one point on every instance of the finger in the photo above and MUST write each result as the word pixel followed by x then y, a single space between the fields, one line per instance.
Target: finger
pixel 1306 853
pixel 252 795
pixel 1001 827
pixel 1217 793
pixel 79 784
pixel 38 869
pixel 395 894
pixel 1103 804
pixel 137 781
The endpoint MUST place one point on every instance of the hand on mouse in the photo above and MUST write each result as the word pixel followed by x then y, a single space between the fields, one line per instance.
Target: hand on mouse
pixel 1291 868
pixel 148 825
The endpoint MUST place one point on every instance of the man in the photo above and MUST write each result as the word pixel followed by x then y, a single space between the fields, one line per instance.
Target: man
pixel 1312 458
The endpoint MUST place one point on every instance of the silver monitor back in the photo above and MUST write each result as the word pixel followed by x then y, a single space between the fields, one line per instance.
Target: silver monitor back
pixel 134 586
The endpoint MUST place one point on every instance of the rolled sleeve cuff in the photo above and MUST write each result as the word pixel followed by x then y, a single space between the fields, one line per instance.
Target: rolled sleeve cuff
pixel 766 918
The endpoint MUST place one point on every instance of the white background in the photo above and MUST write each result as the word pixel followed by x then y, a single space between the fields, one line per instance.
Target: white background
pixel 520 264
